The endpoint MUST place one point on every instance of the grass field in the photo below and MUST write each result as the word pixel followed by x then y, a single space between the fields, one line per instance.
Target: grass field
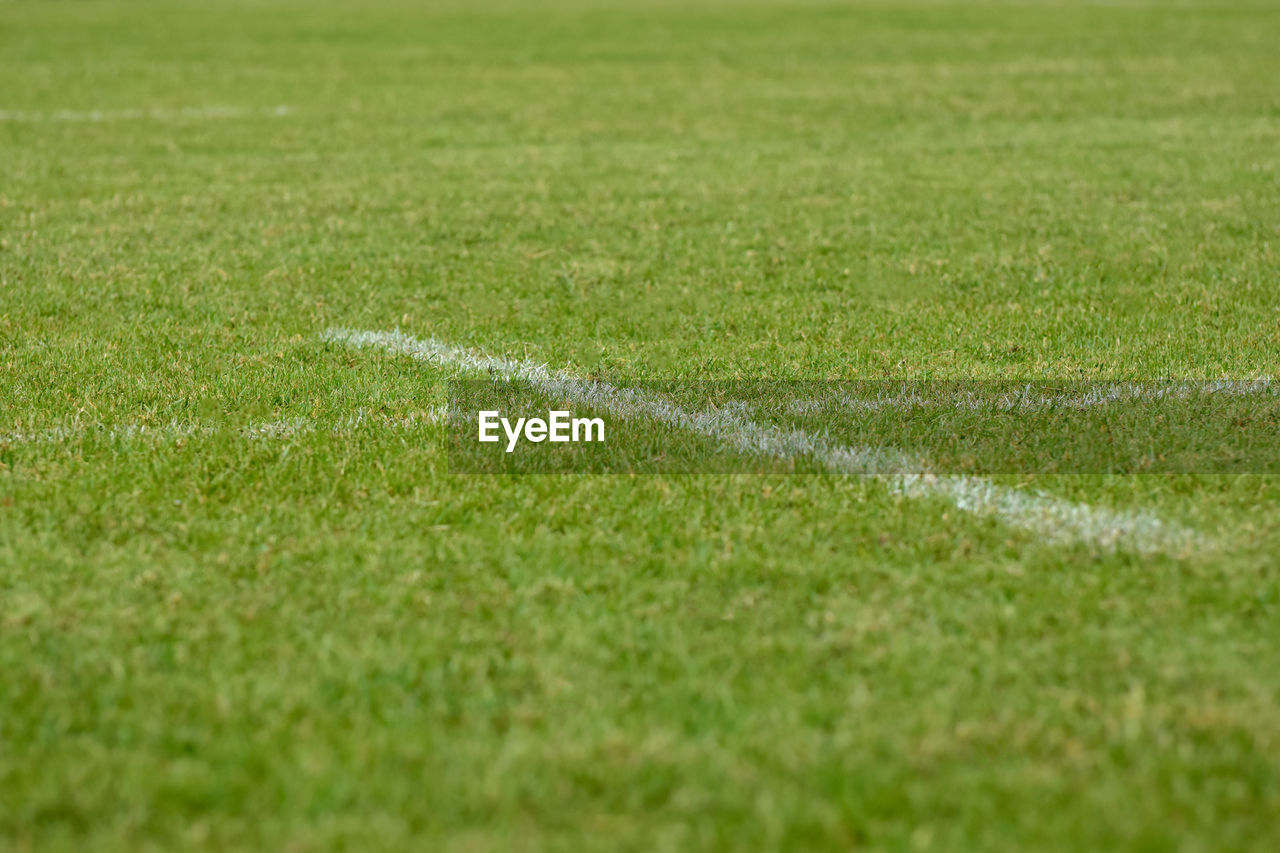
pixel 244 603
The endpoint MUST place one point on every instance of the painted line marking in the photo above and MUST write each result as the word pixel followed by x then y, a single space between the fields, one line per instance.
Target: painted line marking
pixel 1028 399
pixel 1054 519
pixel 277 429
pixel 157 113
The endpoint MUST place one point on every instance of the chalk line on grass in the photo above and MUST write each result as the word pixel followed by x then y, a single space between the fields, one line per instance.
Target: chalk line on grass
pixel 1028 399
pixel 1055 519
pixel 156 113
pixel 174 429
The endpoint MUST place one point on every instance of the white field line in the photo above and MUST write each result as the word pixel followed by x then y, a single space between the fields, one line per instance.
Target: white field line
pixel 1054 519
pixel 156 113
pixel 278 429
pixel 1028 399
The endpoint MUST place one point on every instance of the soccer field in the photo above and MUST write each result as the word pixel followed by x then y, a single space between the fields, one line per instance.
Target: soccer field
pixel 250 599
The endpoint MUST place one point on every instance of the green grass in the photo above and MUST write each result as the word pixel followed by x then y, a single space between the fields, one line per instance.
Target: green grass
pixel 329 640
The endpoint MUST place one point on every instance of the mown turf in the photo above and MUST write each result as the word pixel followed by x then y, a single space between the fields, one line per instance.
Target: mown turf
pixel 218 640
